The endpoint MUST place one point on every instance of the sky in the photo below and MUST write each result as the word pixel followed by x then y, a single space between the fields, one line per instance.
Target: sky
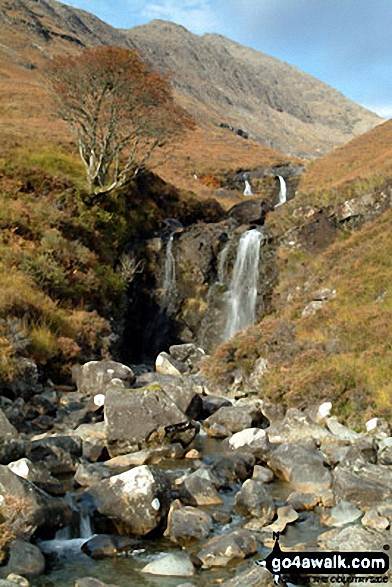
pixel 344 43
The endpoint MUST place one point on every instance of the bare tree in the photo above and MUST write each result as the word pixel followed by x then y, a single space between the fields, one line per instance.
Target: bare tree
pixel 119 109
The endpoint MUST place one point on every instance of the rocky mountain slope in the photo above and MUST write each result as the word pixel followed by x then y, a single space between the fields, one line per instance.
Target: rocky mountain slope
pixel 219 81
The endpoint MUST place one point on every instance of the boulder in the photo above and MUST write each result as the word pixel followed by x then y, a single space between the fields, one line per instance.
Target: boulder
pixel 26 508
pixel 362 483
pixel 38 474
pixel 354 538
pixel 181 391
pixel 231 419
pixel 302 467
pixel 188 354
pixel 254 500
pixel 372 519
pixel 301 501
pixel 198 489
pixel 298 427
pixel 105 546
pixel 93 437
pixel 286 515
pixel 253 576
pixel 135 418
pixel 341 514
pixel 88 474
pixel 91 582
pixel 59 454
pixel 187 525
pixel 94 377
pixel 137 500
pixel 172 565
pixel 262 474
pixel 227 548
pixel 24 559
pixel 384 454
pixel 167 365
pixel 250 212
pixel 212 403
pixel 11 446
pixel 252 441
pixel 232 468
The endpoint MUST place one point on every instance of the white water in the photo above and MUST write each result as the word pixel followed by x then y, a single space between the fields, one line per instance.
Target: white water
pixel 222 258
pixel 248 189
pixel 242 293
pixel 169 281
pixel 64 543
pixel 282 192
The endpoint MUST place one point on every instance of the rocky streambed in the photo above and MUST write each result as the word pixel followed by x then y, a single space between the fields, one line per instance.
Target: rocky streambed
pixel 150 478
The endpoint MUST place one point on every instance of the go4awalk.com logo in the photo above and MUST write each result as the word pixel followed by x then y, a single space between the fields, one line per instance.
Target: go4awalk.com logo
pixel 325 563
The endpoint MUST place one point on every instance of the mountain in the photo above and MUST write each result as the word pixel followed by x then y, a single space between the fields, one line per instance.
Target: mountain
pixel 223 84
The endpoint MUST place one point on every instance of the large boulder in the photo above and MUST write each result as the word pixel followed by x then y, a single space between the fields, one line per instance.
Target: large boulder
pixel 172 565
pixel 302 467
pixel 198 489
pixel 137 500
pixel 232 419
pixel 363 484
pixel 24 507
pixel 254 500
pixel 135 418
pixel 250 212
pixel 188 354
pixel 94 377
pixel 298 427
pixel 252 441
pixel 38 474
pixel 59 454
pixel 25 559
pixel 186 524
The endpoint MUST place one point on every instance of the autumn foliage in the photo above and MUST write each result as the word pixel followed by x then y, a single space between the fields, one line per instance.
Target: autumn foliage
pixel 119 109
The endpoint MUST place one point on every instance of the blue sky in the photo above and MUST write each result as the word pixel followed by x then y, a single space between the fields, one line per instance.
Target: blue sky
pixel 345 43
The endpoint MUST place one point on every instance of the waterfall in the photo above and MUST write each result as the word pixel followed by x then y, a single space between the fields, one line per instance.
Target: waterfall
pixel 70 538
pixel 248 189
pixel 242 293
pixel 282 192
pixel 222 258
pixel 169 281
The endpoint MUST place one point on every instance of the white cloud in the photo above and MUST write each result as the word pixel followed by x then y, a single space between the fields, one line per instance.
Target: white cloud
pixel 385 110
pixel 195 15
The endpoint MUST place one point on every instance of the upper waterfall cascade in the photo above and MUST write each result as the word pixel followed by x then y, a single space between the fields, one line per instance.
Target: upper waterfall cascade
pixel 242 293
pixel 282 192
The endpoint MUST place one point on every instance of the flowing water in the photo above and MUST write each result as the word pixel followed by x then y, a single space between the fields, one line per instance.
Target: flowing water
pixel 169 281
pixel 282 192
pixel 242 293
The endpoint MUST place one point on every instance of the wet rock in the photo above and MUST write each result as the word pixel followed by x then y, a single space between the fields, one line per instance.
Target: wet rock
pixel 189 355
pixel 254 441
pixel 173 565
pixel 198 489
pixel 233 468
pixel 38 474
pixel 187 525
pixel 11 446
pixel 181 391
pixel 93 437
pixel 94 377
pixel 212 403
pixel 59 454
pixel 232 419
pixel 227 548
pixel 18 580
pixel 362 483
pixel 88 474
pixel 254 500
pixel 28 508
pixel 24 559
pixel 107 546
pixel 141 417
pixel 384 454
pixel 301 501
pixel 221 517
pixel 341 514
pixel 262 474
pixel 167 365
pixel 144 495
pixel 302 467
pixel 372 519
pixel 298 427
pixel 150 456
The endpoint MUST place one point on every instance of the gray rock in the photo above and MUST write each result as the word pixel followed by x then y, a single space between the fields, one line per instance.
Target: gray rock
pixel 144 495
pixel 254 500
pixel 341 514
pixel 38 474
pixel 189 354
pixel 364 484
pixel 94 377
pixel 212 403
pixel 251 577
pixel 28 508
pixel 186 524
pixel 372 519
pixel 231 419
pixel 198 489
pixel 227 548
pixel 105 546
pixel 173 565
pixel 136 418
pixel 88 474
pixel 91 582
pixel 262 474
pixel 11 446
pixel 302 467
pixel 232 468
pixel 353 538
pixel 298 427
pixel 59 454
pixel 384 455
pixel 254 441
pixel 25 559
pixel 301 501
pixel 167 365
pixel 93 438
pixel 18 580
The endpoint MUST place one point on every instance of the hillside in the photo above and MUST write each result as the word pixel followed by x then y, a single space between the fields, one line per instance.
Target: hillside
pixel 219 81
